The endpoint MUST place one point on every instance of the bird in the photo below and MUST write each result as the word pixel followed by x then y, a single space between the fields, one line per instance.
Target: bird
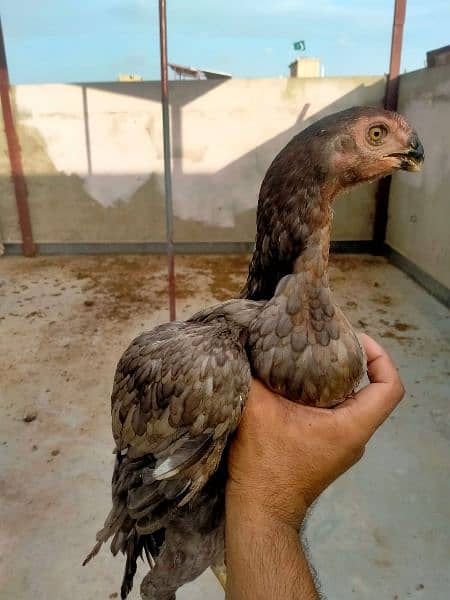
pixel 180 389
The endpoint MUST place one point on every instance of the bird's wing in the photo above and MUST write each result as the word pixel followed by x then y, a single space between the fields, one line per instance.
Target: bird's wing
pixel 178 393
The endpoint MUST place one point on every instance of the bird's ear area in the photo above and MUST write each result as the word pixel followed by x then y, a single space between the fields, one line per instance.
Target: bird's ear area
pixel 345 143
pixel 344 154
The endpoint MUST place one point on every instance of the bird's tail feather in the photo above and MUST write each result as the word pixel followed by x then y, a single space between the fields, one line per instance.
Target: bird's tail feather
pixel 122 527
pixel 113 526
pixel 135 545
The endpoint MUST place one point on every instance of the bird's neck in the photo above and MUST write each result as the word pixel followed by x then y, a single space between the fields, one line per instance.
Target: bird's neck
pixel 293 236
pixel 313 260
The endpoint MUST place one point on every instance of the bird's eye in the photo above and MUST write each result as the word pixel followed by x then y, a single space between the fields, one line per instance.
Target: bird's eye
pixel 376 134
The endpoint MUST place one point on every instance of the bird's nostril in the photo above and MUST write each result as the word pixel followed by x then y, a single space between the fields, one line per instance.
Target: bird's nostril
pixel 414 141
pixel 416 149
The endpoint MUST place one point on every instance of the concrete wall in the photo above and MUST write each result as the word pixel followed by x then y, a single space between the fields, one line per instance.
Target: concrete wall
pixel 419 206
pixel 92 155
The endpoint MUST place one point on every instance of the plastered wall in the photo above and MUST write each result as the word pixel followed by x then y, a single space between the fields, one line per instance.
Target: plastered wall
pixel 419 204
pixel 92 155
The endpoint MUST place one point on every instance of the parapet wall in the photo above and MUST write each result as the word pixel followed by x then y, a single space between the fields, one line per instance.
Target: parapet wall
pixel 92 156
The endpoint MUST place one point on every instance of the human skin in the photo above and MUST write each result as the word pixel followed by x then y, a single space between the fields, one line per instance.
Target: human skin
pixel 283 457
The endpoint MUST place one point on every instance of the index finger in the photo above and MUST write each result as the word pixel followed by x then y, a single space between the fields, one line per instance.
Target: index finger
pixel 371 406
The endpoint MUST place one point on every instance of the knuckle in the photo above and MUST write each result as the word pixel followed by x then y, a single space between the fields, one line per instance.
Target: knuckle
pixel 358 453
pixel 352 436
pixel 355 450
pixel 398 389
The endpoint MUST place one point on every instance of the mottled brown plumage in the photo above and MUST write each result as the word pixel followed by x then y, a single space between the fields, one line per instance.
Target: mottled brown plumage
pixel 179 390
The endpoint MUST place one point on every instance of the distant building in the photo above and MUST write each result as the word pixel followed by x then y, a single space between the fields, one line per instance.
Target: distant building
pixel 306 67
pixel 130 77
pixel 184 72
pixel 438 57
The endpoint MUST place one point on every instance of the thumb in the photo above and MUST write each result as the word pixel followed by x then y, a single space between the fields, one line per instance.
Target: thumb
pixel 372 405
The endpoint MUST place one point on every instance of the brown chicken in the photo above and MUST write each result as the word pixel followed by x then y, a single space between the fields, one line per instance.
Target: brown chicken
pixel 179 390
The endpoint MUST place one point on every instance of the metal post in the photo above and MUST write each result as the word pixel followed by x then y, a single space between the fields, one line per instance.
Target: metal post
pixel 391 97
pixel 390 103
pixel 15 157
pixel 167 163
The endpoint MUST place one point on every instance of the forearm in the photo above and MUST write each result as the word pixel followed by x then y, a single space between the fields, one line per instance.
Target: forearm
pixel 265 558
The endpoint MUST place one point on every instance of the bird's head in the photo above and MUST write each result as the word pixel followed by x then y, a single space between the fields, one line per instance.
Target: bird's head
pixel 361 144
pixel 330 156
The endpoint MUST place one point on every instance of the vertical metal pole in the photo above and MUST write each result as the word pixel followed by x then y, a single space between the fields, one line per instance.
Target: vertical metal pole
pixel 390 103
pixel 15 157
pixel 167 153
pixel 391 97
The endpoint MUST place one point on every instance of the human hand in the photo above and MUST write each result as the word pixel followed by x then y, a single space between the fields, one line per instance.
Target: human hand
pixel 285 454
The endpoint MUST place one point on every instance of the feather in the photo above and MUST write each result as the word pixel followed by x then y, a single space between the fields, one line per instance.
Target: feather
pixel 182 457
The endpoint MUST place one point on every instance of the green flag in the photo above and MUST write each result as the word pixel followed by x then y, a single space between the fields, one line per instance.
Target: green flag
pixel 299 45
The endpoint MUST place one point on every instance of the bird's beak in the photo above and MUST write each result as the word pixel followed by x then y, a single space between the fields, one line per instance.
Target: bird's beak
pixel 412 159
pixel 416 154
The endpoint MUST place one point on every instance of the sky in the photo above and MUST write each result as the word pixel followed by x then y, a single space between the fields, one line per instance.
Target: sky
pixel 95 40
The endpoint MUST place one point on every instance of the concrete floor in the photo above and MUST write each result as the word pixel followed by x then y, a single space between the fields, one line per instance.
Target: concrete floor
pixel 381 532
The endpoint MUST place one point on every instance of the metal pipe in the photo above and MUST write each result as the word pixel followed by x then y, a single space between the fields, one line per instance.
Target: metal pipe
pixel 15 157
pixel 390 103
pixel 167 153
pixel 392 85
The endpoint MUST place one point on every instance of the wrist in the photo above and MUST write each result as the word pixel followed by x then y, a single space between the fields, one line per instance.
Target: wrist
pixel 256 510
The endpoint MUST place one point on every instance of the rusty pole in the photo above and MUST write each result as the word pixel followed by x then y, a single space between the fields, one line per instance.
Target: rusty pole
pixel 15 157
pixel 391 97
pixel 390 103
pixel 167 164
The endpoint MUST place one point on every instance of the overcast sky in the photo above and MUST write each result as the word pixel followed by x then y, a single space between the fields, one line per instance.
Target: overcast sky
pixel 95 40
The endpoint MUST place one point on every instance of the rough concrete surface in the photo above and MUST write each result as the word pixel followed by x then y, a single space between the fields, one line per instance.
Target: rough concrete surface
pixel 381 532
